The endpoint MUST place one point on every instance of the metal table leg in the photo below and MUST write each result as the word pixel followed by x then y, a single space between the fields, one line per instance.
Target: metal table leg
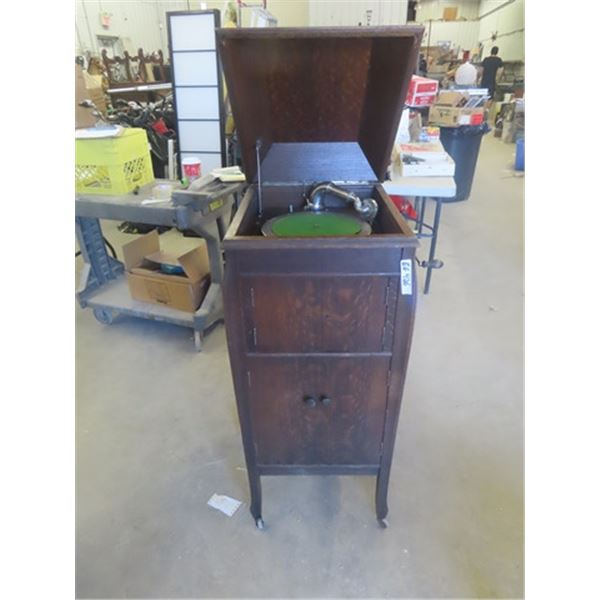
pixel 431 264
pixel 222 227
pixel 99 267
pixel 211 233
pixel 211 308
pixel 420 202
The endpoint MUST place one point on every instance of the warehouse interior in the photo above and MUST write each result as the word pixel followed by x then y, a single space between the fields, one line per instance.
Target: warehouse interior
pixel 148 457
pixel 168 435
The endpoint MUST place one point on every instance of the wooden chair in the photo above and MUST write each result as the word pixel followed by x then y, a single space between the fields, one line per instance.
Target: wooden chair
pixel 129 70
pixel 117 69
pixel 153 64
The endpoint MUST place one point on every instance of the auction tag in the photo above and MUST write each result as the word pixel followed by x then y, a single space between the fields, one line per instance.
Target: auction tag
pixel 406 276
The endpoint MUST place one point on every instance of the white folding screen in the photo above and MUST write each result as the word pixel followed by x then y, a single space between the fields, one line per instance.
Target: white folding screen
pixel 197 89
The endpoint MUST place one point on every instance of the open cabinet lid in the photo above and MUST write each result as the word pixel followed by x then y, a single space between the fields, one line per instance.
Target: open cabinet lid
pixel 321 100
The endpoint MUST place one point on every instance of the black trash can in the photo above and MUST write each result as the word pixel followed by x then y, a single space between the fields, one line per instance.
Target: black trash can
pixel 462 144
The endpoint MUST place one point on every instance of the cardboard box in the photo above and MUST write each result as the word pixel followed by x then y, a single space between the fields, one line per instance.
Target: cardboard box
pixel 409 127
pixel 426 150
pixel 445 116
pixel 87 87
pixel 421 91
pixel 437 69
pixel 422 85
pixel 420 100
pixel 450 13
pixel 83 116
pixel 454 108
pixel 95 91
pixel 148 283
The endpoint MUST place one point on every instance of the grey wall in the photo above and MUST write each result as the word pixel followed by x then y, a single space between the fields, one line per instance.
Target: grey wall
pixel 139 23
pixel 508 22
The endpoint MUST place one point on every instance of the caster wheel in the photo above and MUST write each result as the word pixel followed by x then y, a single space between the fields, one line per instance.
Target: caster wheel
pixel 383 523
pixel 103 315
pixel 260 524
pixel 433 264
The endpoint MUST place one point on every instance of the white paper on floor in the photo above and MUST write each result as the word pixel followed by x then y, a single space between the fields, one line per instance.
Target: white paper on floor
pixel 225 504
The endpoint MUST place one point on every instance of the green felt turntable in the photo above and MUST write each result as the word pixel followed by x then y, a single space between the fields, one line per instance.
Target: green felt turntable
pixel 315 224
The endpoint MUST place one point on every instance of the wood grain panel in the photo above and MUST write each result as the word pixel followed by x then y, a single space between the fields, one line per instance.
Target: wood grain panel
pixel 332 256
pixel 391 61
pixel 325 85
pixel 316 314
pixel 289 432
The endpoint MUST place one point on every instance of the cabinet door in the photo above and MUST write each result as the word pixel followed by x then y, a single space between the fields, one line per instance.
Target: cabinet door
pixel 318 314
pixel 346 430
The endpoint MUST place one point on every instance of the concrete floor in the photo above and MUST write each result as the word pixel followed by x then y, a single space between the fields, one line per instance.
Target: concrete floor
pixel 157 435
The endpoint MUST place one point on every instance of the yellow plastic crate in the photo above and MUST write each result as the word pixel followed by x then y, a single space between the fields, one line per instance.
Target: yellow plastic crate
pixel 113 165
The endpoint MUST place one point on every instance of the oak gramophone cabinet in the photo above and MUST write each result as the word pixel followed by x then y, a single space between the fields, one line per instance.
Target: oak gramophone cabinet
pixel 319 285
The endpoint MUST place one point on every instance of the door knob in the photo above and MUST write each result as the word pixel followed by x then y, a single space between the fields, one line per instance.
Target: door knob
pixel 325 400
pixel 309 401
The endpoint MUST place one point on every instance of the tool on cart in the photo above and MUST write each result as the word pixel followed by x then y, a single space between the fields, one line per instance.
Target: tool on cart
pixel 229 174
pixel 204 194
pixel 96 113
pixel 409 159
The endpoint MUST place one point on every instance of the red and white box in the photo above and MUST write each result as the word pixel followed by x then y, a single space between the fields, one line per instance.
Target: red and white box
pixel 421 91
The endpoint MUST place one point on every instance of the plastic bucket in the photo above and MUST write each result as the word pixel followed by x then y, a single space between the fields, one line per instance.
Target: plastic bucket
pixel 191 168
pixel 520 157
pixel 462 144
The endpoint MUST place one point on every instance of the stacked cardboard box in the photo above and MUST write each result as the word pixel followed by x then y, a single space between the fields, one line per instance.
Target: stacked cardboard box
pixel 87 87
pixel 178 281
pixel 421 91
pixel 454 108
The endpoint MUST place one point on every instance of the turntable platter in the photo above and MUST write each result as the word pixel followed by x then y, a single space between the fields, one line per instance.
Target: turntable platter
pixel 315 224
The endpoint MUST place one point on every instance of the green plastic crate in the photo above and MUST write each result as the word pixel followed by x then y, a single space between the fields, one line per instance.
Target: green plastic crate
pixel 113 165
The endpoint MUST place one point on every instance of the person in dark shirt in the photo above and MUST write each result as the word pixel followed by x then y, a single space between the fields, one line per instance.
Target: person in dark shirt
pixel 492 67
pixel 422 66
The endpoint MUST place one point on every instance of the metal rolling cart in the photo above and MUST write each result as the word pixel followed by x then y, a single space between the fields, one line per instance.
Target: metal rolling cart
pixel 103 286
